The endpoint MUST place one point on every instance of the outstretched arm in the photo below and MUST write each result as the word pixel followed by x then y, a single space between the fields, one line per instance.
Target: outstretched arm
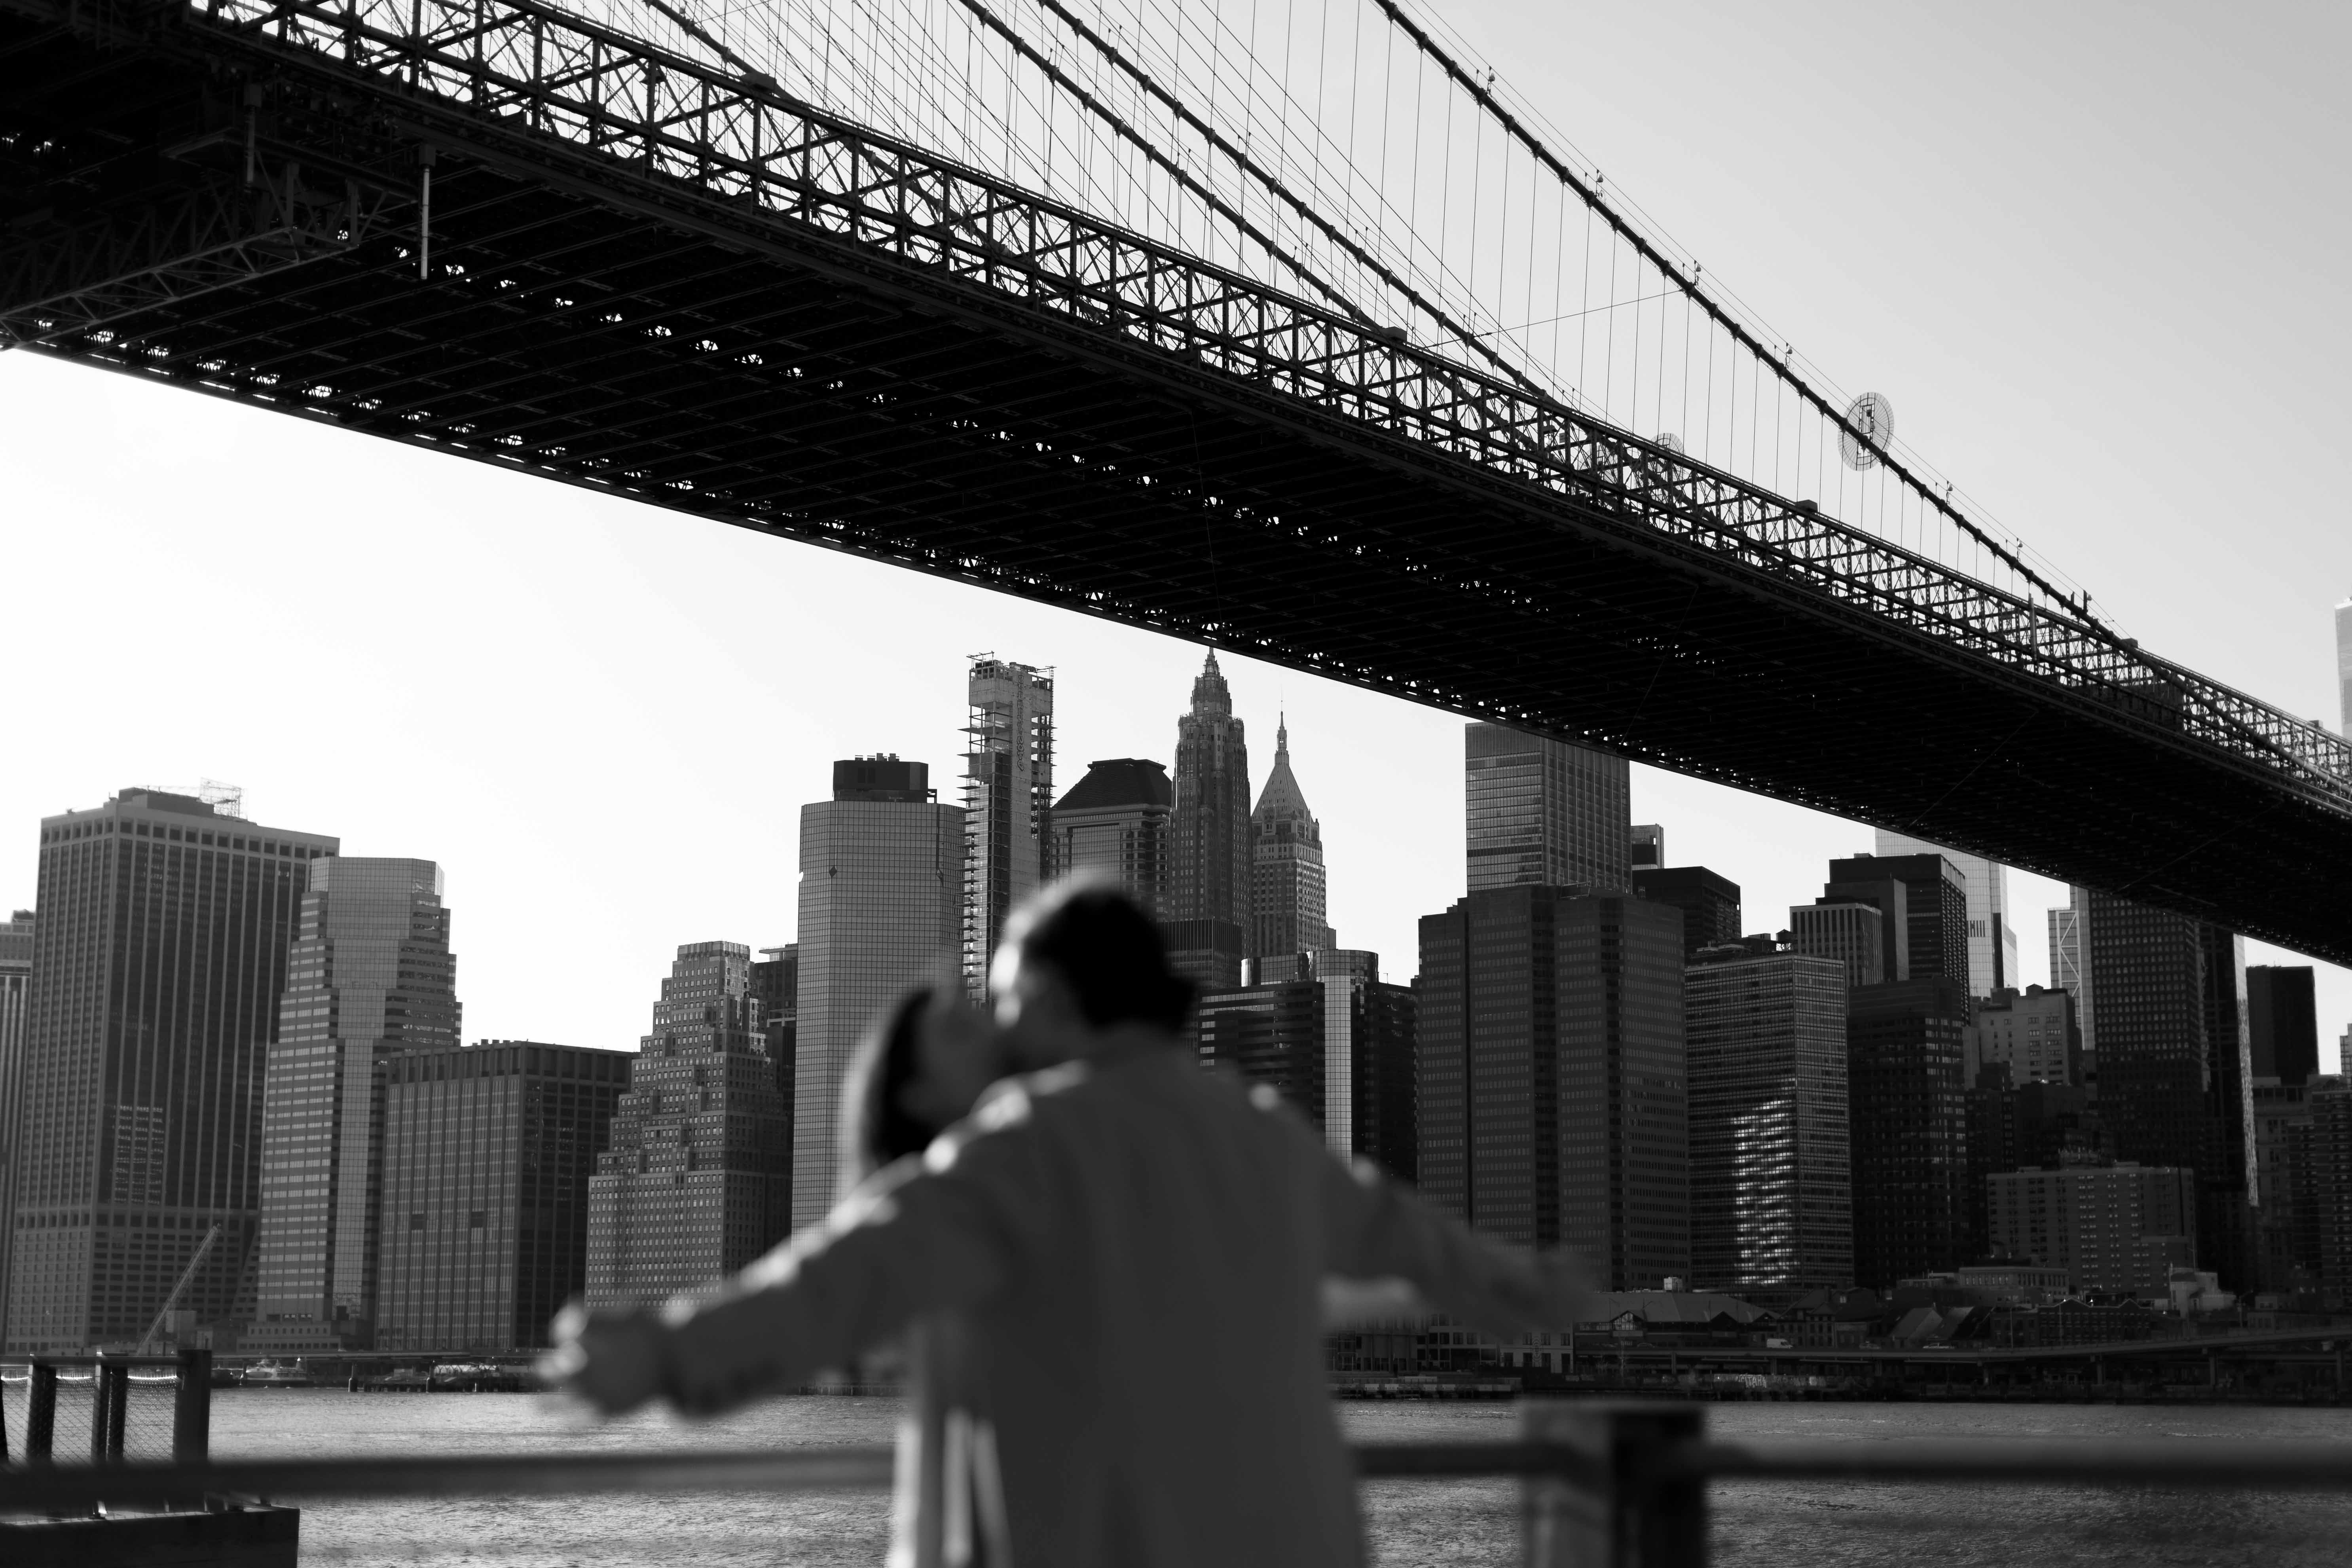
pixel 922 1236
pixel 1377 1229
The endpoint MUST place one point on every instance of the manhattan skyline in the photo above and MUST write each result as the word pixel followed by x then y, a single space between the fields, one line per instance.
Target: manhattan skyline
pixel 578 685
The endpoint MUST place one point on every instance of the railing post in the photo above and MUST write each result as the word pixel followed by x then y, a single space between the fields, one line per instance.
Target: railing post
pixel 1616 1505
pixel 41 1415
pixel 109 1392
pixel 192 1407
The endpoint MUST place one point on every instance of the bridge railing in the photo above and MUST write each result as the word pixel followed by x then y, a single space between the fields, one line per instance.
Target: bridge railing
pixel 521 83
pixel 1606 1485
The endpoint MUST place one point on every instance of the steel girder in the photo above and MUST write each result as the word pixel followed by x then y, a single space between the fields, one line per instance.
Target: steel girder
pixel 742 182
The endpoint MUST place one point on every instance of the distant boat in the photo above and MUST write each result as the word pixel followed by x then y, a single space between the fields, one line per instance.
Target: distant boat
pixel 275 1374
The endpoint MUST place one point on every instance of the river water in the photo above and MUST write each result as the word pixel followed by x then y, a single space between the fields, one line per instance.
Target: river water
pixel 1456 1524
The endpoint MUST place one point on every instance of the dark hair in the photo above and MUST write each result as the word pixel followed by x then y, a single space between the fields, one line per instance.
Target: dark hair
pixel 1109 951
pixel 875 1127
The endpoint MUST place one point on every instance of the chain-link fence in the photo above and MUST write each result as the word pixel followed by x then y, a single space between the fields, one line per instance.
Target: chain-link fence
pixel 105 1409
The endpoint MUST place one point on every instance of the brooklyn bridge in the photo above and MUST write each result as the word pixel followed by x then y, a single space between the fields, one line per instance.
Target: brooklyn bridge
pixel 1082 306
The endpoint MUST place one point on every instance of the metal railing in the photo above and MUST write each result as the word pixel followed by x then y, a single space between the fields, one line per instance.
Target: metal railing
pixel 105 1396
pixel 1607 1485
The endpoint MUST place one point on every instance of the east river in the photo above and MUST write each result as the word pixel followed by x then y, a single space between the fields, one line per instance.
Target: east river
pixel 1451 1523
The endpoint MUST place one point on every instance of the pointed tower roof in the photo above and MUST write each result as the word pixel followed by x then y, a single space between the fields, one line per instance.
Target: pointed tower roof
pixel 1209 693
pixel 1282 799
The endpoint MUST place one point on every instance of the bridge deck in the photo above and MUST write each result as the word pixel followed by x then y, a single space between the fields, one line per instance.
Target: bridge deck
pixel 650 280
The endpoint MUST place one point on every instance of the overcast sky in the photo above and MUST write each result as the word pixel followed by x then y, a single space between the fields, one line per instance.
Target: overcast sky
pixel 2094 255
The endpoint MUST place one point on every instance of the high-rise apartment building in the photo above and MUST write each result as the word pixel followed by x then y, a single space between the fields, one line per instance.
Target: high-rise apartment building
pixel 1932 941
pixel 15 973
pixel 487 1155
pixel 1213 883
pixel 1114 825
pixel 1908 1118
pixel 158 961
pixel 1545 812
pixel 2119 1226
pixel 2032 1033
pixel 1772 1201
pixel 2069 971
pixel 1338 1042
pixel 1993 944
pixel 2282 1023
pixel 1709 902
pixel 371 977
pixel 1551 1095
pixel 881 909
pixel 2328 1179
pixel 695 1181
pixel 1008 802
pixel 1287 889
pixel 1851 932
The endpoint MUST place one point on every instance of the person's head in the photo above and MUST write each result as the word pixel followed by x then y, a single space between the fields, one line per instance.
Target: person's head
pixel 1082 957
pixel 916 1072
pixel 876 1127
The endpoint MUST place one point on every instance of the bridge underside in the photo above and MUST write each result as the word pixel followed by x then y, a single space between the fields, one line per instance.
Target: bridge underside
pixel 633 335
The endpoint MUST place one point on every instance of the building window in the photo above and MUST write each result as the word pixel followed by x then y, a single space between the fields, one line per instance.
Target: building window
pixel 476 1218
pixel 417 1222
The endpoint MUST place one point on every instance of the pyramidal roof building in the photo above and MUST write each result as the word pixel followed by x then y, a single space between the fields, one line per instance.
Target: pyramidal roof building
pixel 1286 887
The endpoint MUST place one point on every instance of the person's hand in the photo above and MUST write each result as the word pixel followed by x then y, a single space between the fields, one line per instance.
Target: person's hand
pixel 609 1357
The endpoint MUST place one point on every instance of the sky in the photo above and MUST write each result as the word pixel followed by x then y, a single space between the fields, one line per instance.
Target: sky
pixel 2093 254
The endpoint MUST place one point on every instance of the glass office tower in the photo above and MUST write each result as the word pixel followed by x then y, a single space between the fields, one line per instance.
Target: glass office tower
pixel 1114 823
pixel 881 907
pixel 1546 812
pixel 158 963
pixel 371 977
pixel 16 975
pixel 1993 945
pixel 1771 1184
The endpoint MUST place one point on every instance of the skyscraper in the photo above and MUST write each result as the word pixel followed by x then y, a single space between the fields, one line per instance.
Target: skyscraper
pixel 158 961
pixel 2343 664
pixel 1933 940
pixel 1287 899
pixel 1771 1198
pixel 1334 1040
pixel 776 987
pixel 1993 945
pixel 2032 1033
pixel 1552 1105
pixel 487 1155
pixel 881 907
pixel 1210 913
pixel 1545 811
pixel 16 973
pixel 1851 932
pixel 2174 1088
pixel 2282 1023
pixel 1648 842
pixel 2068 970
pixel 371 977
pixel 1709 903
pixel 1114 823
pixel 1909 1126
pixel 1008 802
pixel 693 1182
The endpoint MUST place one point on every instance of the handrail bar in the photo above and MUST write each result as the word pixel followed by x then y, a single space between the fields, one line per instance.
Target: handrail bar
pixel 2262 1465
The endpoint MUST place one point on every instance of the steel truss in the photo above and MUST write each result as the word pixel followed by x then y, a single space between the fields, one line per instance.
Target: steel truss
pixel 513 95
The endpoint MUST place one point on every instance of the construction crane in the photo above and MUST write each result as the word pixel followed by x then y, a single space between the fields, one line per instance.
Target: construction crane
pixel 147 1341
